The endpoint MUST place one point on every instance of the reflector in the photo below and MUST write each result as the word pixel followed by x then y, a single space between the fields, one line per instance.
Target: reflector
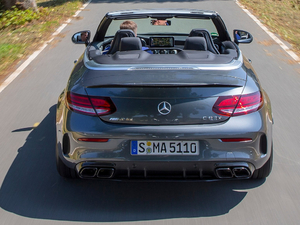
pixel 93 139
pixel 236 139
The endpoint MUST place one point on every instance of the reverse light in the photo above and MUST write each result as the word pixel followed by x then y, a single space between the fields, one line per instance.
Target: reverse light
pixel 90 105
pixel 238 104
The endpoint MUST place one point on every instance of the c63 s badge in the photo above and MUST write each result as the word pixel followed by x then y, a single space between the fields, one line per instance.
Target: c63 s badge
pixel 121 119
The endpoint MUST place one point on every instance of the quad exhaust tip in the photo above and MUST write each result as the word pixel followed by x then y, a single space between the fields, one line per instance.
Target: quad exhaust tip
pixel 241 172
pixel 235 172
pixel 224 173
pixel 94 172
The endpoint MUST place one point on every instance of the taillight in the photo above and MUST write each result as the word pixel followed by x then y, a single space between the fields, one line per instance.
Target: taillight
pixel 238 104
pixel 235 139
pixel 93 139
pixel 90 105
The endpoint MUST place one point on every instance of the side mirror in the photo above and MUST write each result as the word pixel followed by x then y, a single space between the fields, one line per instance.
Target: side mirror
pixel 241 36
pixel 82 37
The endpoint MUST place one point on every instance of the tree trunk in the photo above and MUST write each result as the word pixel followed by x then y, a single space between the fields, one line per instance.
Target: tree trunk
pixel 21 4
pixel 26 4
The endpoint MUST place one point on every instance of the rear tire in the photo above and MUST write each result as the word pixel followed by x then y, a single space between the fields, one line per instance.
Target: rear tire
pixel 63 170
pixel 265 170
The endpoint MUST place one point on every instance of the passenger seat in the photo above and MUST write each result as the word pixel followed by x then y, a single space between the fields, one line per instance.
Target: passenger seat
pixel 195 43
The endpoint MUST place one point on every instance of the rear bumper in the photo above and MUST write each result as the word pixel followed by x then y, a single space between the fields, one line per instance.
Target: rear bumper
pixel 165 170
pixel 112 159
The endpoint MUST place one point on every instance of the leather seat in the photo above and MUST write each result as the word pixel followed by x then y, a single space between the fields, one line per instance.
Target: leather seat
pixel 209 41
pixel 195 43
pixel 130 43
pixel 115 46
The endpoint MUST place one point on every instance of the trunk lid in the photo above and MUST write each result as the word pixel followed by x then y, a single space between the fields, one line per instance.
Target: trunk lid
pixel 164 97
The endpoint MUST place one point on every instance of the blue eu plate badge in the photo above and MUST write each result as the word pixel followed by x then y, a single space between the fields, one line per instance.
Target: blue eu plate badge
pixel 134 148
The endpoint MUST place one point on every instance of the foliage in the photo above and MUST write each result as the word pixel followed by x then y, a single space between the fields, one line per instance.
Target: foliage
pixel 281 16
pixel 8 50
pixel 295 4
pixel 24 31
pixel 15 16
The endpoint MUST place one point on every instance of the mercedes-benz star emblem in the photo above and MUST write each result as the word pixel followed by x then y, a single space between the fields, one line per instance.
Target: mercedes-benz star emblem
pixel 164 108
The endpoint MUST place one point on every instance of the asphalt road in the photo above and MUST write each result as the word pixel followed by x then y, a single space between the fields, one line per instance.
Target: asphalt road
pixel 33 193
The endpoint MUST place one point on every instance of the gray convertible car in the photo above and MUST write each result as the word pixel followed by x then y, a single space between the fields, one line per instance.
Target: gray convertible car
pixel 177 100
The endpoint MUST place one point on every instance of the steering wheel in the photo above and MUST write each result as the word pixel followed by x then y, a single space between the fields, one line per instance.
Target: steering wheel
pixel 144 43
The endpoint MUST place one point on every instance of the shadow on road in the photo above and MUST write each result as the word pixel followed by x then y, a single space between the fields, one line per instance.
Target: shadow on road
pixel 32 188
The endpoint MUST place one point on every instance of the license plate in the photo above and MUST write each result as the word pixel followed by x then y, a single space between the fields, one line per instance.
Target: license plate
pixel 164 148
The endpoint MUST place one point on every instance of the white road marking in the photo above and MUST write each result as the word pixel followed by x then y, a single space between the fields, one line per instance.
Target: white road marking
pixel 277 40
pixel 19 70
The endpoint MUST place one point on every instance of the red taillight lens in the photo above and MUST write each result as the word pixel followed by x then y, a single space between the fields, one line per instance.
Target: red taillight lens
pixel 90 105
pixel 93 139
pixel 238 105
pixel 235 139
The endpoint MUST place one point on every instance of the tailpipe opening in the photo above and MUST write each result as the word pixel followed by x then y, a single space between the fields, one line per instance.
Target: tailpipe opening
pixel 224 173
pixel 105 172
pixel 88 172
pixel 241 172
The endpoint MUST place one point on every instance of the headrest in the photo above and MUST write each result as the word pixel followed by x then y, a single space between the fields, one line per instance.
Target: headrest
pixel 117 39
pixel 195 43
pixel 125 33
pixel 198 32
pixel 130 43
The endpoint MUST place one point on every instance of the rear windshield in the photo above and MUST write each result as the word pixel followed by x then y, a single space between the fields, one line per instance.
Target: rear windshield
pixel 175 26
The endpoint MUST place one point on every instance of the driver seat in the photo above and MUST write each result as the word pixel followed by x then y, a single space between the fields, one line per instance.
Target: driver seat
pixel 209 41
pixel 115 45
pixel 130 43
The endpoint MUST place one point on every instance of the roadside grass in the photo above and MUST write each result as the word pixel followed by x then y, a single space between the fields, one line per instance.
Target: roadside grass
pixel 22 32
pixel 282 17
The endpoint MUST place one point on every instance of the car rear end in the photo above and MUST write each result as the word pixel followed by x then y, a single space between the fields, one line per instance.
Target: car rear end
pixel 164 123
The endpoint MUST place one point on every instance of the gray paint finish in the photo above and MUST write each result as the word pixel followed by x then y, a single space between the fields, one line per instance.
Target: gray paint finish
pixel 33 193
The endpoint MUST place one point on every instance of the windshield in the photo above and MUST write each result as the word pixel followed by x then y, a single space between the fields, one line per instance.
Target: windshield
pixel 175 26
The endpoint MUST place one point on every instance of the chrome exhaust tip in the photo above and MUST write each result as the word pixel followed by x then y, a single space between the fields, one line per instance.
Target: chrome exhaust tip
pixel 241 172
pixel 224 173
pixel 105 172
pixel 88 172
